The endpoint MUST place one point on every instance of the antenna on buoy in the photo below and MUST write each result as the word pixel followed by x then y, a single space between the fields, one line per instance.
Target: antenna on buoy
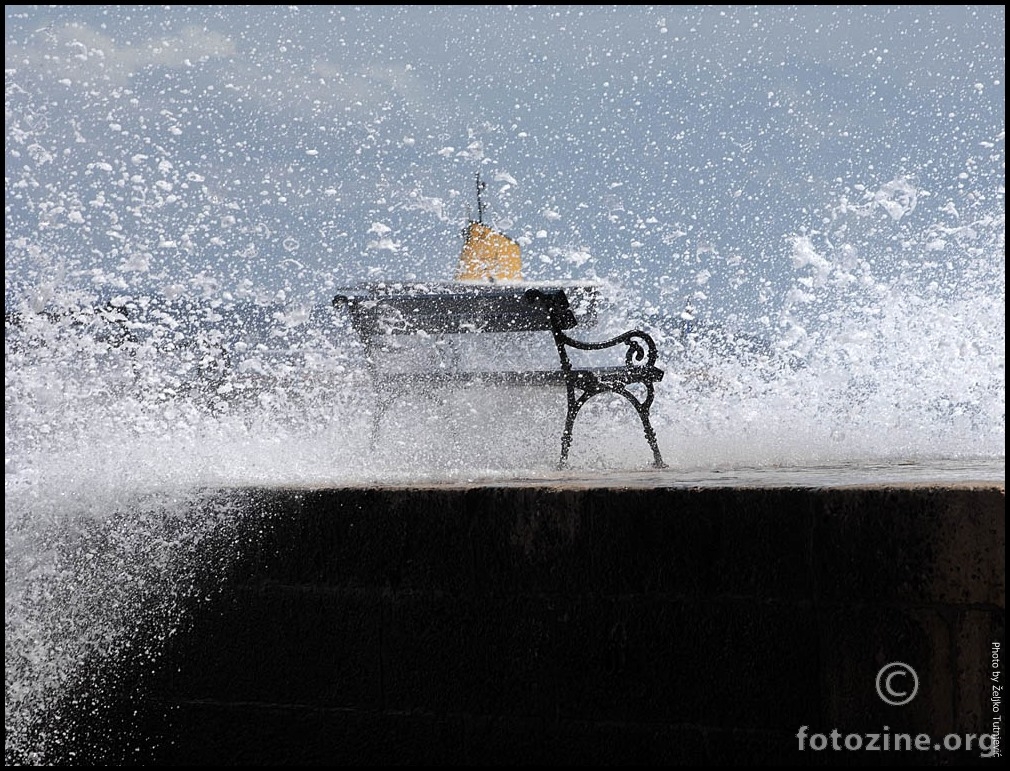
pixel 487 254
pixel 480 203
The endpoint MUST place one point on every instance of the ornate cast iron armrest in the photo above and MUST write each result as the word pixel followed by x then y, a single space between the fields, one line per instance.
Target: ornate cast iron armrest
pixel 641 353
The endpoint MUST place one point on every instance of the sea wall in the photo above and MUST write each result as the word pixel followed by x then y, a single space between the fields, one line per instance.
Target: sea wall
pixel 595 625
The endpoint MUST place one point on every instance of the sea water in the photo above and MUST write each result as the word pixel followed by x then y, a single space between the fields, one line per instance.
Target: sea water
pixel 125 422
pixel 170 347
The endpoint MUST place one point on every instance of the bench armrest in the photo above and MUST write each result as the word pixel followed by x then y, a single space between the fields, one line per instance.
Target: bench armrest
pixel 641 351
pixel 641 347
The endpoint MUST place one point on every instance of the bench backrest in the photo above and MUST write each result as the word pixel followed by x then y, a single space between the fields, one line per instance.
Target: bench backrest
pixel 463 309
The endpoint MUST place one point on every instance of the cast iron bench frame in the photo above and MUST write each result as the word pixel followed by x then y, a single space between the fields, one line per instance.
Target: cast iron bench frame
pixel 438 311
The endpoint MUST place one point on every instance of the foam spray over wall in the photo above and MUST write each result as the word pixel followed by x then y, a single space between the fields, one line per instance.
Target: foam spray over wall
pixel 115 427
pixel 167 349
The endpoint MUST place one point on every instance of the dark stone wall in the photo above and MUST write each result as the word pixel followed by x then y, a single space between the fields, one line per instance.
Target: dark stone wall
pixel 596 626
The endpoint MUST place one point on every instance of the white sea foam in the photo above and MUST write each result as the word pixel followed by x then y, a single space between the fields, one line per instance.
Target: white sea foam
pixel 117 417
pixel 163 343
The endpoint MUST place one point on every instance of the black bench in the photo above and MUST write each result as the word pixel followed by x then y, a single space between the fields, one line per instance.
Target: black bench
pixel 382 315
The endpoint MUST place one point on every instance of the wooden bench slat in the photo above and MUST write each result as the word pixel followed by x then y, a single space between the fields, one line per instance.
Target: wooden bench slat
pixel 484 308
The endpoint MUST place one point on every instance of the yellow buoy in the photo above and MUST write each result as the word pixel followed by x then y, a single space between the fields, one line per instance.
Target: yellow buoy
pixel 487 254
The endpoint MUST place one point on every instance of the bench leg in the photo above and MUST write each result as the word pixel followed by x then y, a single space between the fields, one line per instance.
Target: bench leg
pixel 574 405
pixel 650 436
pixel 382 404
pixel 642 408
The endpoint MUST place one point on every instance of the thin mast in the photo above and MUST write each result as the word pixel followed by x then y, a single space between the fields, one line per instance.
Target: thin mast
pixel 480 203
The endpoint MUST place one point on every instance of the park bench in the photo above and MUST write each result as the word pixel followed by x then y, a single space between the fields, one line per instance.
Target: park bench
pixel 394 322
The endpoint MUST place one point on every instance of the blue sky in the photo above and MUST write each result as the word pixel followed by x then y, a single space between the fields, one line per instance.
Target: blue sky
pixel 679 150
